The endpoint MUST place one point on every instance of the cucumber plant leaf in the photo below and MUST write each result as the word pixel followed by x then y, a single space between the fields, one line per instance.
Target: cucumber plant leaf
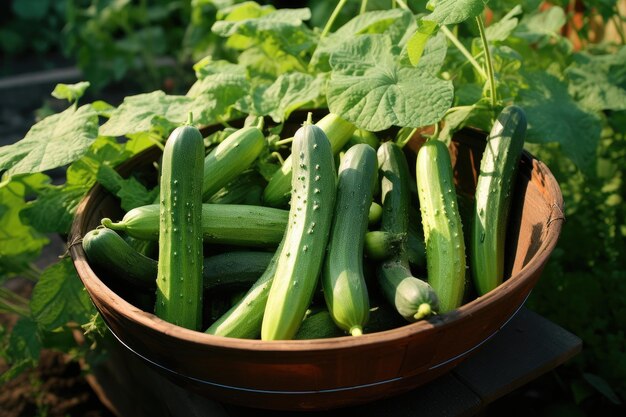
pixel 20 243
pixel 70 92
pixel 554 116
pixel 215 95
pixel 55 141
pixel 54 208
pixel 417 42
pixel 23 347
pixel 289 92
pixel 393 23
pixel 130 191
pixel 599 81
pixel 370 88
pixel 451 12
pixel 283 28
pixel 59 297
pixel 144 112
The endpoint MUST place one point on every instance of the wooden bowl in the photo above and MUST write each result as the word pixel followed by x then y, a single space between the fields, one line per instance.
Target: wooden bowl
pixel 337 372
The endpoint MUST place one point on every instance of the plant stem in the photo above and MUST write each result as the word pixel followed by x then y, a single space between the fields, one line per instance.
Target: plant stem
pixel 333 17
pixel 403 5
pixel 618 22
pixel 455 41
pixel 488 62
pixel 363 6
pixel 11 302
pixel 283 142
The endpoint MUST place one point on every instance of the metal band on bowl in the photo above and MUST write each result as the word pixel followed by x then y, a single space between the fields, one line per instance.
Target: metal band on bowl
pixel 329 390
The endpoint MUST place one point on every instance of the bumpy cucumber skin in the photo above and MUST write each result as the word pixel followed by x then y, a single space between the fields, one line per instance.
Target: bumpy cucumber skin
pixel 443 232
pixel 237 269
pixel 230 158
pixel 413 298
pixel 278 190
pixel 234 224
pixel 179 279
pixel 498 168
pixel 108 251
pixel 245 318
pixel 306 237
pixel 343 283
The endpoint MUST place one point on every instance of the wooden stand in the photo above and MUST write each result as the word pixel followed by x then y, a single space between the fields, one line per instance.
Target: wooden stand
pixel 527 347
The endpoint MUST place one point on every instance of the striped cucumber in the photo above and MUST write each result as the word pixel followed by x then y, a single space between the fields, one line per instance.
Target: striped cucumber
pixel 498 168
pixel 412 297
pixel 244 319
pixel 109 252
pixel 230 158
pixel 233 224
pixel 342 277
pixel 179 278
pixel 278 190
pixel 306 237
pixel 443 233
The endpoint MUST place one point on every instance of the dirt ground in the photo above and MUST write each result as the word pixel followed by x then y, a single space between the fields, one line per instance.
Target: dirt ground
pixel 56 388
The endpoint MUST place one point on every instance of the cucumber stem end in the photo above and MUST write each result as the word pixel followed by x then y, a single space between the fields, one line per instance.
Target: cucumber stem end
pixel 424 310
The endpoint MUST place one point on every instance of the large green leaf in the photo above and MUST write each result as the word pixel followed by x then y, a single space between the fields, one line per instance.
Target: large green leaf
pixel 215 95
pixel 553 116
pixel 54 208
pixel 370 88
pixel 599 81
pixel 55 141
pixel 283 28
pixel 143 112
pixel 59 297
pixel 451 12
pixel 286 94
pixel 20 243
pixel 394 23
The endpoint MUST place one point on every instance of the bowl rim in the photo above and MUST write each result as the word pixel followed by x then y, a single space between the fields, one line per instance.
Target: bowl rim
pixel 436 323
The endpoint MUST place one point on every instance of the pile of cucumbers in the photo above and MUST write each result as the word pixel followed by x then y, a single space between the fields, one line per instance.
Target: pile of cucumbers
pixel 344 239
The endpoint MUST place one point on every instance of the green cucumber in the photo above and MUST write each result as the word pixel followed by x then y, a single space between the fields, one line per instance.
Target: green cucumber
pixel 109 252
pixel 375 214
pixel 246 188
pixel 342 277
pixel 179 278
pixel 363 136
pixel 278 190
pixel 237 269
pixel 413 298
pixel 443 232
pixel 379 245
pixel 234 224
pixel 244 319
pixel 231 157
pixel 498 168
pixel 306 237
pixel 318 325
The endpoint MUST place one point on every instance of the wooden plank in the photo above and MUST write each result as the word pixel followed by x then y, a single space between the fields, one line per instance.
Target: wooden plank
pixel 444 397
pixel 526 348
